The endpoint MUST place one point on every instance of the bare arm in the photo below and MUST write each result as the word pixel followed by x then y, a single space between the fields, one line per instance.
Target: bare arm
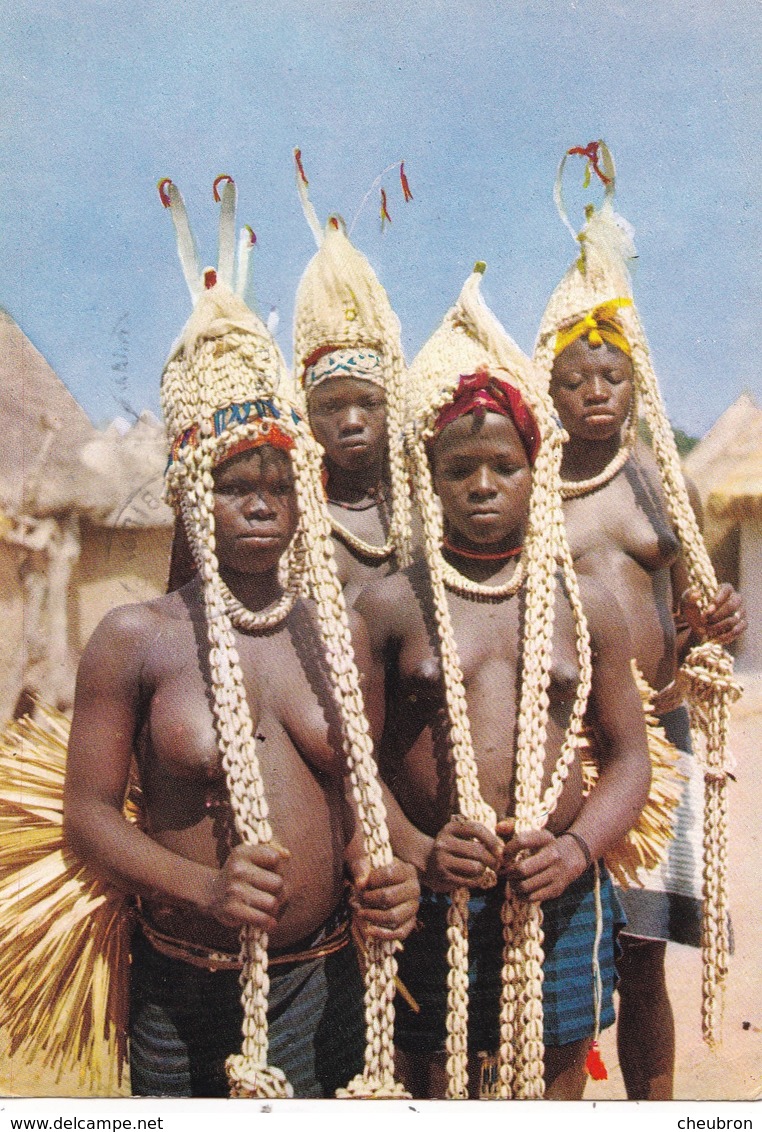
pixel 408 842
pixel 723 621
pixel 461 851
pixel 613 806
pixel 385 900
pixel 105 719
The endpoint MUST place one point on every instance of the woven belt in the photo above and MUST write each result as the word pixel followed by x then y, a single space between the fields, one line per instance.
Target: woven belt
pixel 211 959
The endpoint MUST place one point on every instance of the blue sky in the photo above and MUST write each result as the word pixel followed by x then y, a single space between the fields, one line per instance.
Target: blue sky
pixel 102 98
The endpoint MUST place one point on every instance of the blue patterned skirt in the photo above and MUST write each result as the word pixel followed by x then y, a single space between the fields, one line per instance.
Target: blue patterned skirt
pixel 569 927
pixel 185 1021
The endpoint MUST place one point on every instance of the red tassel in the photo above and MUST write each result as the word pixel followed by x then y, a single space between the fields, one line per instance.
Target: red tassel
pixel 217 181
pixel 162 186
pixel 210 278
pixel 404 182
pixel 300 167
pixel 590 151
pixel 252 235
pixel 594 1064
pixel 385 217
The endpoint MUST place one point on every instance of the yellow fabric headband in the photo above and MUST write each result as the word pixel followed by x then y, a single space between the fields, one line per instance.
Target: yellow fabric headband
pixel 599 326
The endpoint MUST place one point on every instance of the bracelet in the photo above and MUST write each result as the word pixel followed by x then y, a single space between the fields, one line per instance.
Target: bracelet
pixel 582 844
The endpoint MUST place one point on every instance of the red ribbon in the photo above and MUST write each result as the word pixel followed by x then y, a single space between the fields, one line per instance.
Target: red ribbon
pixel 300 167
pixel 405 184
pixel 385 217
pixel 273 437
pixel 163 186
pixel 482 392
pixel 590 151
pixel 217 181
pixel 594 1064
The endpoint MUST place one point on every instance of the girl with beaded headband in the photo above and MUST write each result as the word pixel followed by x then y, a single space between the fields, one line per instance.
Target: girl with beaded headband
pixel 628 512
pixel 349 372
pixel 244 472
pixel 443 753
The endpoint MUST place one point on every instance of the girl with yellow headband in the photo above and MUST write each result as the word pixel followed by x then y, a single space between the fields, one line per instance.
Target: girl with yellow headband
pixel 630 522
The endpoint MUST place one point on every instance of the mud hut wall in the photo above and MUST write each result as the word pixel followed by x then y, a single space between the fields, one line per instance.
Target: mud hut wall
pixel 749 654
pixel 12 636
pixel 117 566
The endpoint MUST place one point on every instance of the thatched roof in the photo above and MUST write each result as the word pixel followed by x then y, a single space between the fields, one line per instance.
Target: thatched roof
pixel 43 430
pixel 125 474
pixel 739 496
pixel 734 438
pixel 52 459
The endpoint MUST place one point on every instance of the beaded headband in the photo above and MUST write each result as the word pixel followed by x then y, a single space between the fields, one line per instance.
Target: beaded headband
pixel 262 414
pixel 362 365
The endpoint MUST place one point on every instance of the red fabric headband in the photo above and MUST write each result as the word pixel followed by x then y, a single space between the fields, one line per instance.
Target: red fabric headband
pixel 274 437
pixel 482 393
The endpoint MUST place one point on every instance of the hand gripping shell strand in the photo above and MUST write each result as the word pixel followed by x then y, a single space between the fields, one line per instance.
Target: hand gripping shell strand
pixel 522 974
pixel 709 669
pixel 378 1078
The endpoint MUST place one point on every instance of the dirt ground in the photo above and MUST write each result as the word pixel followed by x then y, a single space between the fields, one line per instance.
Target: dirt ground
pixel 734 1071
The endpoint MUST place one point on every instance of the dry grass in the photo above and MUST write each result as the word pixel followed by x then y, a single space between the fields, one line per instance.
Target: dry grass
pixel 64 933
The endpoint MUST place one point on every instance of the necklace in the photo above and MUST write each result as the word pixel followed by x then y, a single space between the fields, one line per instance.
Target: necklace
pixel 482 556
pixel 573 489
pixel 264 619
pixel 363 505
pixel 466 587
pixel 354 542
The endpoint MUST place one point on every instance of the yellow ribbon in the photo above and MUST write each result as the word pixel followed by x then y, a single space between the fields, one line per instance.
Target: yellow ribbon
pixel 598 327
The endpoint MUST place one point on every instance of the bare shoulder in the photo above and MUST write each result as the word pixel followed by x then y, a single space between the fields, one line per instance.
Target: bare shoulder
pixel 391 607
pixel 643 455
pixel 132 622
pixel 387 597
pixel 125 635
pixel 649 468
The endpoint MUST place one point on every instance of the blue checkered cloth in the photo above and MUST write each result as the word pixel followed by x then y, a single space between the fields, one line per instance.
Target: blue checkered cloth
pixel 569 927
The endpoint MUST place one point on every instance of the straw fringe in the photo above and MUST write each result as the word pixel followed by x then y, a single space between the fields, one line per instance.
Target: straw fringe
pixel 645 845
pixel 64 932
